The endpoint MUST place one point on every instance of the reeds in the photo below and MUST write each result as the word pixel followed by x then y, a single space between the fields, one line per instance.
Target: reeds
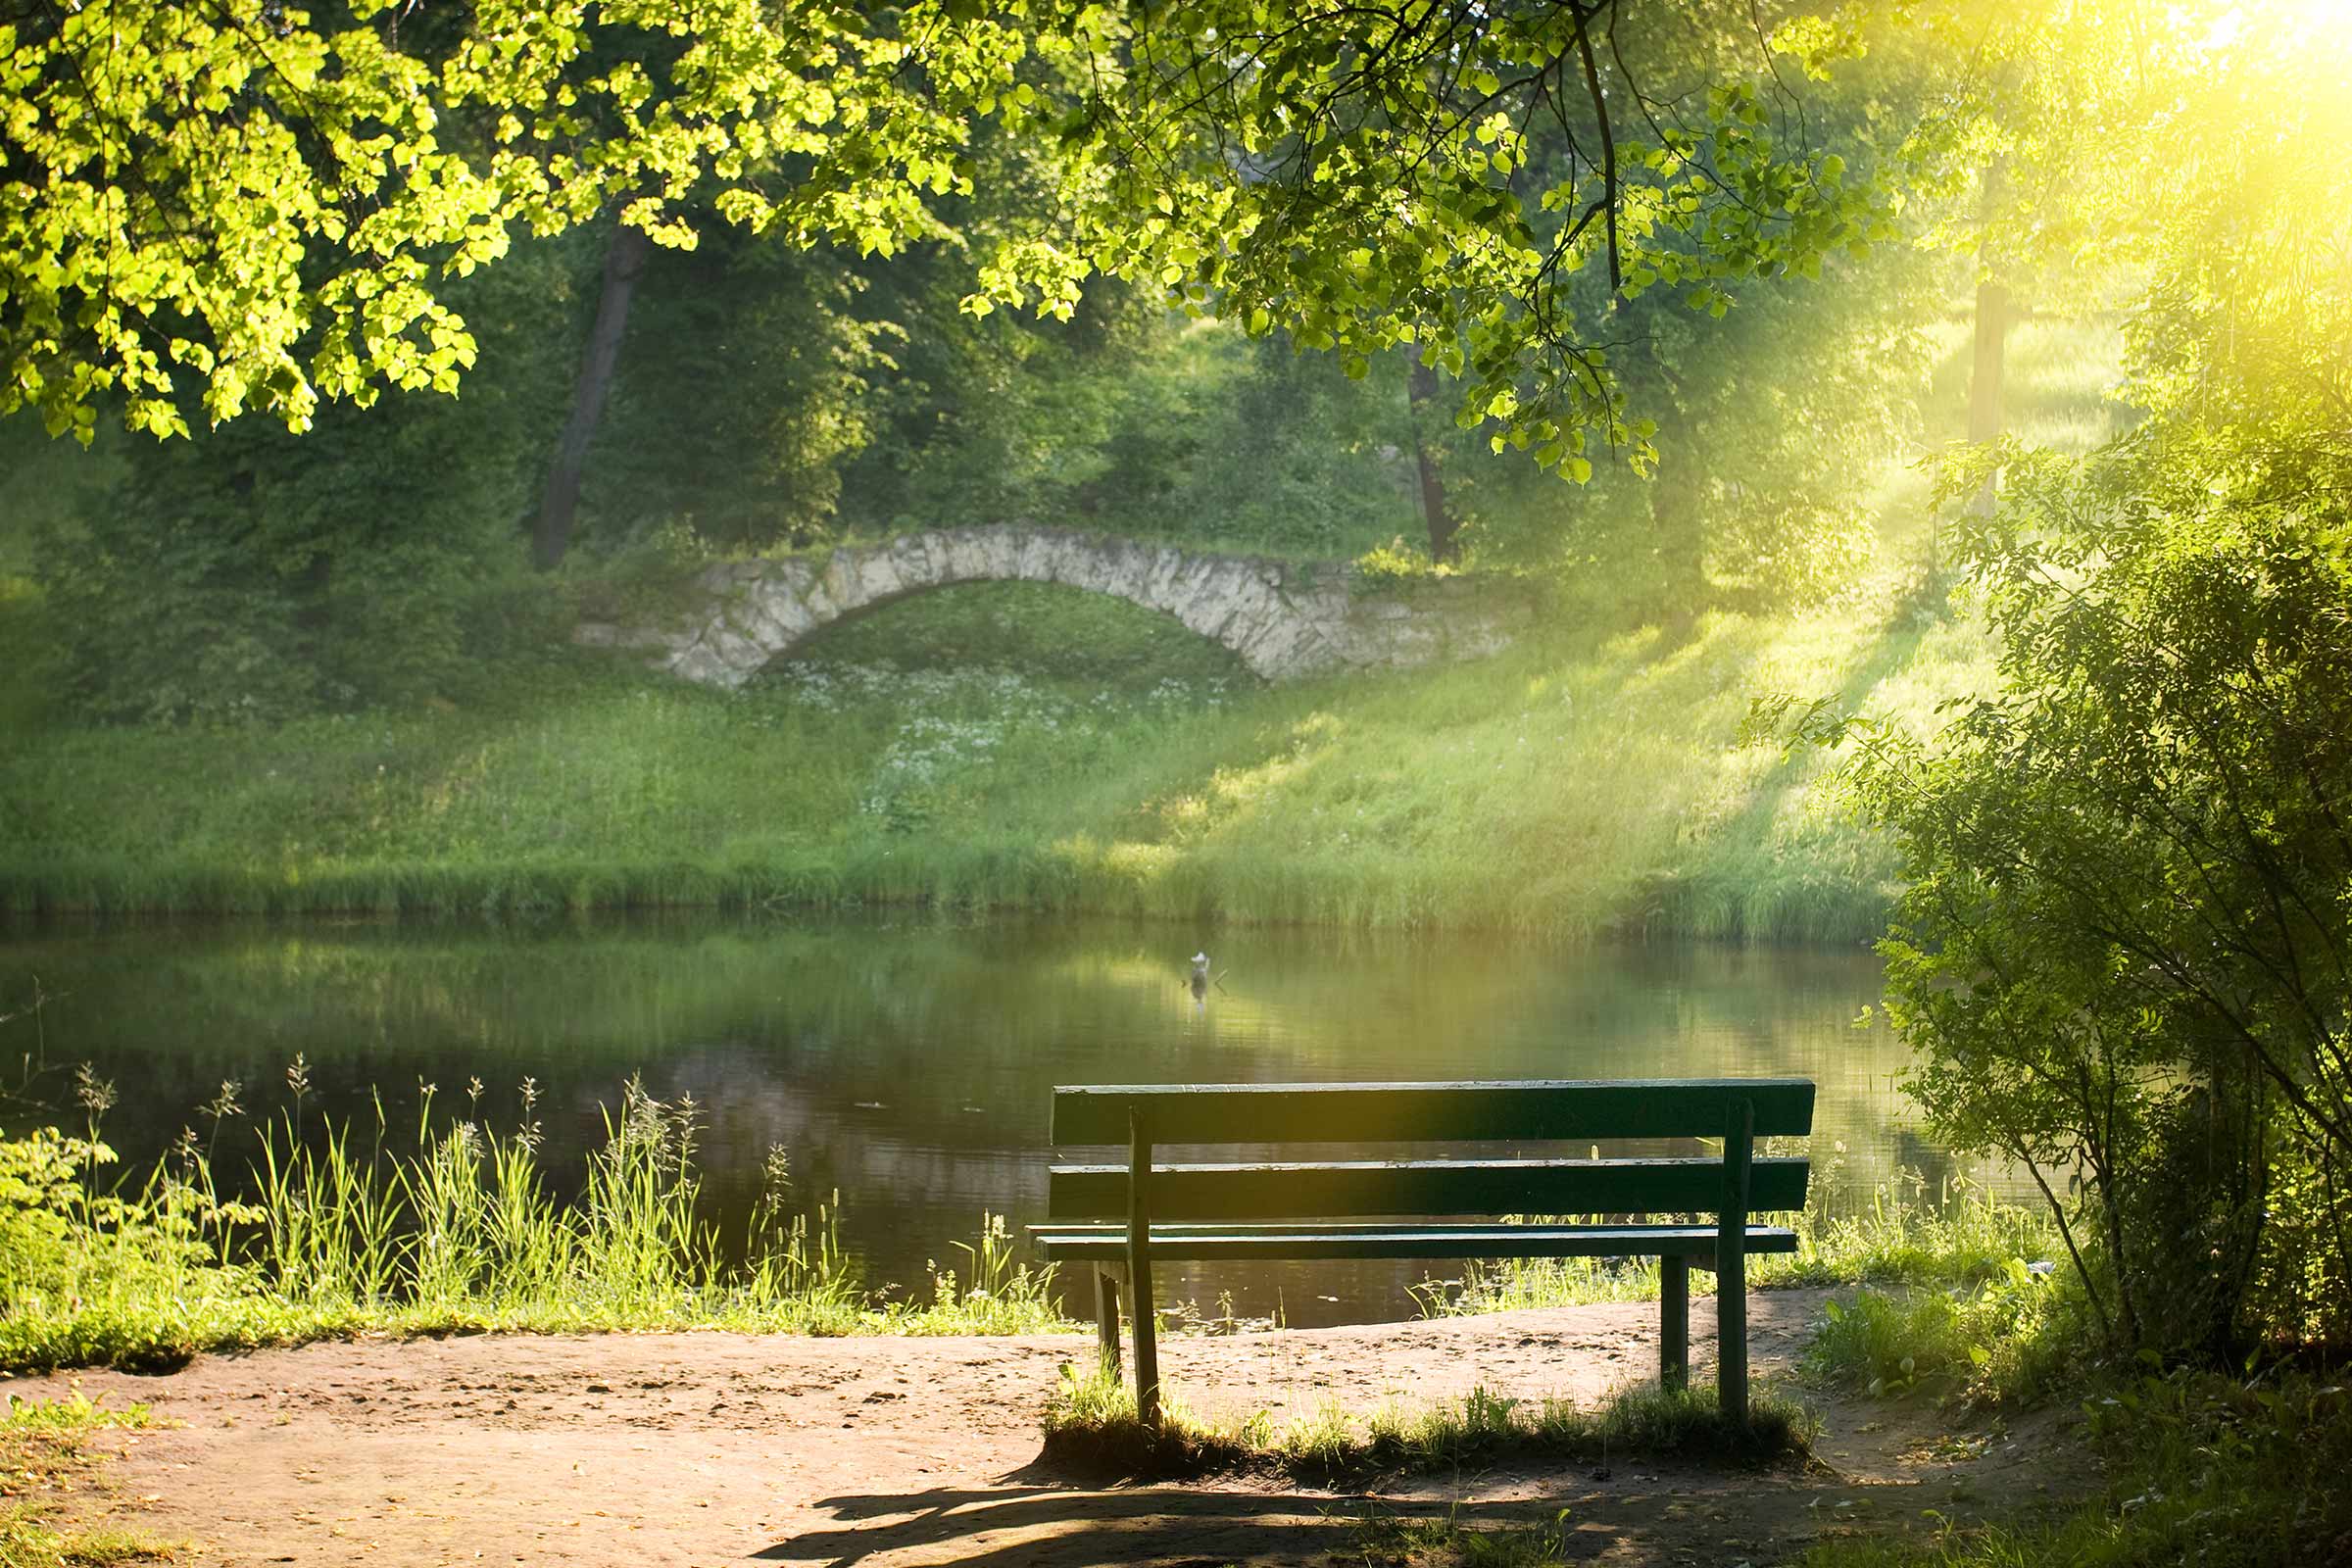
pixel 451 1225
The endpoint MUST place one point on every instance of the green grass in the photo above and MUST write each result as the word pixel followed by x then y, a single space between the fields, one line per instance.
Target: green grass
pixel 1600 765
pixel 1957 1236
pixel 44 1456
pixel 441 1228
pixel 2008 1339
pixel 2201 1468
pixel 1092 1427
pixel 1444 1541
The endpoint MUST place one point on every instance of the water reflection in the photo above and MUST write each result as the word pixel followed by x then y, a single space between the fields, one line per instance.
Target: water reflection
pixel 906 1062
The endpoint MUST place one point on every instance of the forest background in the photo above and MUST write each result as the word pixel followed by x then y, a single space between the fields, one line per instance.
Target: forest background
pixel 262 669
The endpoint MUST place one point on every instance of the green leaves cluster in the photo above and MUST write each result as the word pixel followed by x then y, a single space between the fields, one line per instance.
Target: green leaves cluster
pixel 1429 175
pixel 205 211
pixel 2123 949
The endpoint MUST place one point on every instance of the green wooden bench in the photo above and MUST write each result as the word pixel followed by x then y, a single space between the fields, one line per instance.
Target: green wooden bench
pixel 1123 1216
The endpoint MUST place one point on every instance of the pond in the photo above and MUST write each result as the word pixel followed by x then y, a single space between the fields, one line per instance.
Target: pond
pixel 906 1062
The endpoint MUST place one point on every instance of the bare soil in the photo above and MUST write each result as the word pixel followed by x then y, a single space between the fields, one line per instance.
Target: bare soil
pixel 726 1448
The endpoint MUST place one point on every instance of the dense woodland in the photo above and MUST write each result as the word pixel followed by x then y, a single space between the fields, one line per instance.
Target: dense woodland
pixel 1930 428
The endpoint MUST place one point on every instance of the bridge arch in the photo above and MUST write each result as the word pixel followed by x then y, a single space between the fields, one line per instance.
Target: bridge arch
pixel 1282 618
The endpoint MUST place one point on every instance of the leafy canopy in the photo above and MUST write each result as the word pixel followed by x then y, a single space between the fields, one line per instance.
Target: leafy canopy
pixel 262 208
pixel 205 212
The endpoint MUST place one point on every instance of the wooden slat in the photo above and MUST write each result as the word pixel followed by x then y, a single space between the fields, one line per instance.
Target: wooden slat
pixel 1352 1189
pixel 1308 1242
pixel 1398 1112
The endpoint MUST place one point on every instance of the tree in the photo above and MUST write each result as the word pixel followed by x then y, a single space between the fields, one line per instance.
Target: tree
pixel 1362 176
pixel 624 259
pixel 210 213
pixel 204 212
pixel 254 573
pixel 2125 952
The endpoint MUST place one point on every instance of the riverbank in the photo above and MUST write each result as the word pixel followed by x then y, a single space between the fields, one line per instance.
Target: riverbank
pixel 1015 746
pixel 1016 750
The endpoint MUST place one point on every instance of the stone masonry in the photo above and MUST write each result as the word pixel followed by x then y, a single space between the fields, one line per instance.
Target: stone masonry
pixel 1284 620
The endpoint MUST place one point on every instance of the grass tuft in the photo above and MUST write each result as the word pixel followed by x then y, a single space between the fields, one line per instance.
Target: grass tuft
pixel 44 1456
pixel 1091 1428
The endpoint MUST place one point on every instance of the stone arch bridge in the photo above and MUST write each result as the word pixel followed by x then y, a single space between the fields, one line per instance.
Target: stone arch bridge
pixel 1284 620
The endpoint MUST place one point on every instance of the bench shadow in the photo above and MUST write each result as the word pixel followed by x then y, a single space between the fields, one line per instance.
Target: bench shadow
pixel 1065 1525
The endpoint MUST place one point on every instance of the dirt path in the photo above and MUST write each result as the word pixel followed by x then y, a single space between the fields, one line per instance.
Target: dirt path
pixel 720 1448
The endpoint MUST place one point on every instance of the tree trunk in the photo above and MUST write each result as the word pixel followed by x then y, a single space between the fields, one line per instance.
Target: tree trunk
pixel 1678 526
pixel 1985 368
pixel 1985 374
pixel 1421 394
pixel 624 259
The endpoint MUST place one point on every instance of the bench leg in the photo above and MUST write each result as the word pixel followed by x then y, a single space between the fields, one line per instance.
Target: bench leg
pixel 1730 1267
pixel 1673 1321
pixel 1139 1270
pixel 1107 1318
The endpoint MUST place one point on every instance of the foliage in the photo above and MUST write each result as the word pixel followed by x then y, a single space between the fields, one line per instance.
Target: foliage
pixel 1412 203
pixel 1397 564
pixel 2123 948
pixel 256 575
pixel 267 221
pixel 339 1230
pixel 263 210
pixel 2123 940
pixel 802 354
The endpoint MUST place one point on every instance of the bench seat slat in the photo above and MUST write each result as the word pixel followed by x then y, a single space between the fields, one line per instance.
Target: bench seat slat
pixel 1355 1189
pixel 1433 1113
pixel 1108 1242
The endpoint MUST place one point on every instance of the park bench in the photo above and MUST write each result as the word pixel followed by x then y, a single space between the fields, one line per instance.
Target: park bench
pixel 1122 1218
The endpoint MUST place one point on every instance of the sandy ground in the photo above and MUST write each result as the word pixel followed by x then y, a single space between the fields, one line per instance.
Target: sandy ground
pixel 720 1448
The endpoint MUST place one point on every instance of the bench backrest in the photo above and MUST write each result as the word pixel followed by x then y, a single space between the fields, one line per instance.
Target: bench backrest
pixel 1142 1115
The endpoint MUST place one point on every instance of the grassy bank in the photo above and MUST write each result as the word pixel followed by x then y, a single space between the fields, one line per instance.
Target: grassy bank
pixel 1598 765
pixel 295 1227
pixel 1024 746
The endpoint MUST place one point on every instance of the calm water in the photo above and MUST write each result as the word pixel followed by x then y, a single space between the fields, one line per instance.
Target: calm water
pixel 907 1063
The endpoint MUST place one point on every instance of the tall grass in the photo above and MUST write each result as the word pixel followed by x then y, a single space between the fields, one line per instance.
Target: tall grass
pixel 1956 1235
pixel 450 1225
